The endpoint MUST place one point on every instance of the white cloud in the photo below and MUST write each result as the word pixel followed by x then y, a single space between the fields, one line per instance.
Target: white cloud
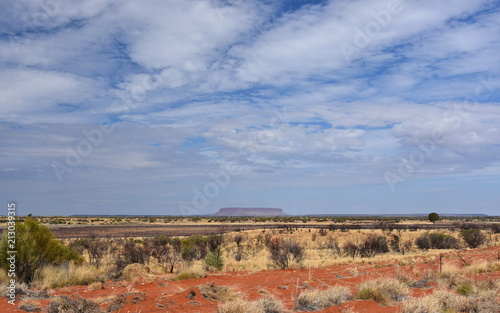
pixel 27 91
pixel 191 86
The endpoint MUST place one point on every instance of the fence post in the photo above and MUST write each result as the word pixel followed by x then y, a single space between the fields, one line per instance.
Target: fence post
pixel 296 292
pixel 440 263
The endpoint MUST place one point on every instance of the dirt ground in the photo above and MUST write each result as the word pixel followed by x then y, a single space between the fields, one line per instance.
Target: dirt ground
pixel 162 294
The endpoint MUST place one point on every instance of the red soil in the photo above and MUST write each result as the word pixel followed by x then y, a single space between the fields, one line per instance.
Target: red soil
pixel 163 295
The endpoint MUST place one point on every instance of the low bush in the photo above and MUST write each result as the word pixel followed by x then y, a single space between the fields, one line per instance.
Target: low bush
pixel 321 299
pixel 239 306
pixel 466 288
pixel 369 247
pixel 215 260
pixel 194 248
pixel 373 245
pixel 217 293
pixel 436 241
pixel 495 228
pixel 271 304
pixel 285 250
pixel 351 249
pixel 421 305
pixel 473 237
pixel 383 290
pixel 64 304
pixel 264 305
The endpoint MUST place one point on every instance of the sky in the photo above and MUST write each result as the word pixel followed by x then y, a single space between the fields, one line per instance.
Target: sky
pixel 181 107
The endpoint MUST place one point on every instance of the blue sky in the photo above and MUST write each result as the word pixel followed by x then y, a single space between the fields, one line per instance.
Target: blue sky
pixel 183 107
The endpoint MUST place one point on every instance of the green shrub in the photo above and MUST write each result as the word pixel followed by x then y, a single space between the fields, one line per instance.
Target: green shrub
pixel 36 247
pixel 383 290
pixel 215 260
pixel 193 247
pixel 466 289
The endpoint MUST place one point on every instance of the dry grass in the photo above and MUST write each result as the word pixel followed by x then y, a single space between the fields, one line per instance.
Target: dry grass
pixel 4 279
pixel 137 273
pixel 383 290
pixel 321 252
pixel 427 304
pixel 239 306
pixel 265 305
pixel 192 272
pixel 482 267
pixel 320 299
pixel 271 304
pixel 30 306
pixel 446 301
pixel 59 276
pixel 95 286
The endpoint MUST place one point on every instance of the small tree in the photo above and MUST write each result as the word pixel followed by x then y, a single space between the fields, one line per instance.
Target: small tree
pixel 351 249
pixel 473 237
pixel 36 247
pixel 433 217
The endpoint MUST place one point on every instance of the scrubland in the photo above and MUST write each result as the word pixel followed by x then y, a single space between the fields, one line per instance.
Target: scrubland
pixel 279 270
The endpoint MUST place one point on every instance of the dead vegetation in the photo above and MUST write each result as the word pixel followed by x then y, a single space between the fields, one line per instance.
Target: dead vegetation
pixel 315 300
pixel 65 304
pixel 217 293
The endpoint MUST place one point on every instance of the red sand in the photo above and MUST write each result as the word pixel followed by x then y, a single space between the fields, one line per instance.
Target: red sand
pixel 163 295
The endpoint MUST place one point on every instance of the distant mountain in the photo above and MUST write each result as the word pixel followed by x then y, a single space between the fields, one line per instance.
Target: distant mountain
pixel 250 212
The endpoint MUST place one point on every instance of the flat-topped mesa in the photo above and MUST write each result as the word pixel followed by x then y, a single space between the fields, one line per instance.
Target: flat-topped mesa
pixel 250 212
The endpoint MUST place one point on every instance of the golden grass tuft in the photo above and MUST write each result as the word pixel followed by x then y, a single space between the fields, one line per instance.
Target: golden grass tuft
pixel 320 299
pixel 239 306
pixel 426 304
pixel 52 276
pixel 383 290
pixel 192 272
pixel 265 305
